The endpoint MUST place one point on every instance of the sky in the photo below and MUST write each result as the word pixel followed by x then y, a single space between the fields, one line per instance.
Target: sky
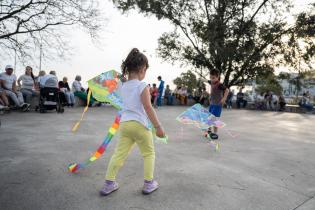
pixel 120 34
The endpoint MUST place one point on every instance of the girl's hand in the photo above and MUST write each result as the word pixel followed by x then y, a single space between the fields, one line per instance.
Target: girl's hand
pixel 160 132
pixel 223 101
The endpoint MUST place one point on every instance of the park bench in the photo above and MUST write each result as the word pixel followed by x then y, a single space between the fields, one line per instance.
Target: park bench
pixel 251 105
pixel 176 102
pixel 295 108
pixel 35 102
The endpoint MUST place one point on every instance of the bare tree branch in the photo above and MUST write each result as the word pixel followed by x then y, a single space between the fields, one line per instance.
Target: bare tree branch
pixel 26 20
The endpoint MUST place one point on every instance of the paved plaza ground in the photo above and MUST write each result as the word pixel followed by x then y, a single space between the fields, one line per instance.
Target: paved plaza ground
pixel 271 165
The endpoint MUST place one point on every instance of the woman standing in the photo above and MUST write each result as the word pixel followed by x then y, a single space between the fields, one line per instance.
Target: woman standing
pixel 27 86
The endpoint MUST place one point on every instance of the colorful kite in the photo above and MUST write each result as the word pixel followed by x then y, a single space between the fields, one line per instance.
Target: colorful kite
pixel 200 117
pixel 104 88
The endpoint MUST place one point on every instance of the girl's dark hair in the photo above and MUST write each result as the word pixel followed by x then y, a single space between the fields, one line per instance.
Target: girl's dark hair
pixel 32 75
pixel 134 62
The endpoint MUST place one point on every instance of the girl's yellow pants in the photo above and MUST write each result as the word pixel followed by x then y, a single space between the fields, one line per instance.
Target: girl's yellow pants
pixel 132 132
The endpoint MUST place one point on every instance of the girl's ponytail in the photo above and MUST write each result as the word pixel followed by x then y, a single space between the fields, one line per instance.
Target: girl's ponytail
pixel 134 62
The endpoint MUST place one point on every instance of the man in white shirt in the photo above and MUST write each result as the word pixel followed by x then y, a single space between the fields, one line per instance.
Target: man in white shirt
pixel 9 86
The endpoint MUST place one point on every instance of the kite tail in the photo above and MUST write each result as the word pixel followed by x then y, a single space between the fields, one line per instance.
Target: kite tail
pixel 74 167
pixel 77 125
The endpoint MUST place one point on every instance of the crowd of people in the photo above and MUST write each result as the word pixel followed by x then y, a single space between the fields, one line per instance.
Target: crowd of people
pixel 273 102
pixel 18 93
pixel 270 101
pixel 263 101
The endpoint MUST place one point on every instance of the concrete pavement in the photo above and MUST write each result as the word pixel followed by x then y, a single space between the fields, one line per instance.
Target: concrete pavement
pixel 271 165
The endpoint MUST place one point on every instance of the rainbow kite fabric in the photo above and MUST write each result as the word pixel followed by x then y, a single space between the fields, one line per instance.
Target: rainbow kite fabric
pixel 74 167
pixel 104 88
pixel 200 117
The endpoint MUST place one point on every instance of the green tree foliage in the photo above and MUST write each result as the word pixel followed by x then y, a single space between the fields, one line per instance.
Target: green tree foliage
pixel 238 37
pixel 268 81
pixel 187 79
pixel 284 76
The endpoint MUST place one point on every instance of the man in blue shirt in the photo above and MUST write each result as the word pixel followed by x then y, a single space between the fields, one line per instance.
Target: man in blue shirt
pixel 161 88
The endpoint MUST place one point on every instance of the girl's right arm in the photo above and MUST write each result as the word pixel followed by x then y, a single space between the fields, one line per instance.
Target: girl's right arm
pixel 146 101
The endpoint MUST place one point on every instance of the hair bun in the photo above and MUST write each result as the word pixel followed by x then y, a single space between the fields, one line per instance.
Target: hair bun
pixel 135 51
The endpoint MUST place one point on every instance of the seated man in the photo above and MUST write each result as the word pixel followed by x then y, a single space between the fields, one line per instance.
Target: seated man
pixel 282 103
pixel 260 102
pixel 168 95
pixel 274 101
pixel 306 103
pixel 204 96
pixel 8 82
pixel 4 102
pixel 240 99
pixel 183 96
pixel 268 100
pixel 197 95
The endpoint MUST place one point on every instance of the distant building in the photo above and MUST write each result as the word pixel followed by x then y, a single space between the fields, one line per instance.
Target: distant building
pixel 289 88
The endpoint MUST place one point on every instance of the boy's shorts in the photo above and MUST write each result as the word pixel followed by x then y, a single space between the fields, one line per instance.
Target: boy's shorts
pixel 215 110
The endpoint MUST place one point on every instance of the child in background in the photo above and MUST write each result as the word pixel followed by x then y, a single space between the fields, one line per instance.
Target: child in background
pixel 154 95
pixel 135 120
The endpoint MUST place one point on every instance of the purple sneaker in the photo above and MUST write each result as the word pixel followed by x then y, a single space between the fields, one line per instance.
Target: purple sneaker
pixel 109 187
pixel 149 187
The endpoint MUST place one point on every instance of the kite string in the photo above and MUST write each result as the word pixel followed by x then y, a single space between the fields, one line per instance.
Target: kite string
pixel 77 125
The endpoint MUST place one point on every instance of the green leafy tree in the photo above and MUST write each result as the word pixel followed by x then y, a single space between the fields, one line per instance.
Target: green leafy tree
pixel 268 81
pixel 187 79
pixel 284 76
pixel 233 36
pixel 200 84
pixel 301 81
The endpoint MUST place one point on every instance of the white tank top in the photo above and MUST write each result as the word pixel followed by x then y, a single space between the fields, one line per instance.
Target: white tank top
pixel 132 106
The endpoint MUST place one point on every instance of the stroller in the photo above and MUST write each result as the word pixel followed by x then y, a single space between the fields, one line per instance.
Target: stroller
pixel 49 98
